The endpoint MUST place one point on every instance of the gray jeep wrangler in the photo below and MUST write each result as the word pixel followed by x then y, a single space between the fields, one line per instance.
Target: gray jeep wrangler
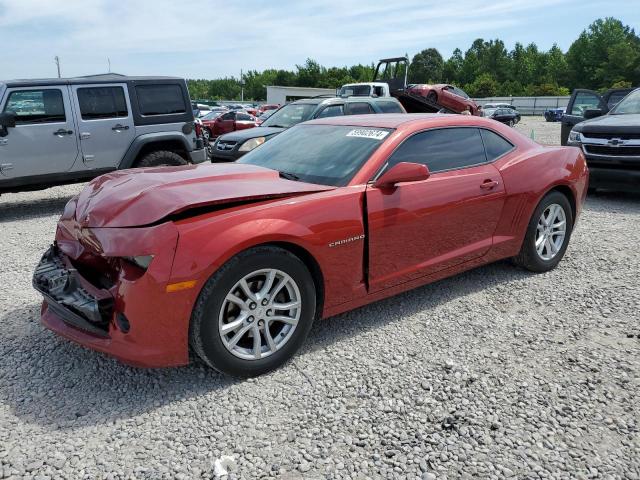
pixel 59 131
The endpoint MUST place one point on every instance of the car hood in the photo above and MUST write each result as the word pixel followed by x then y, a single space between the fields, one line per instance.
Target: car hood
pixel 242 135
pixel 611 124
pixel 128 198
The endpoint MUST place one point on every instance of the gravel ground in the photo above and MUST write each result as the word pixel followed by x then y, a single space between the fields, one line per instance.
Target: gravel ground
pixel 496 373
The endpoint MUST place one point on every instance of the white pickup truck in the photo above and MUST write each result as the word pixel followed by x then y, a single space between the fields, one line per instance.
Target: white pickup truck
pixel 370 89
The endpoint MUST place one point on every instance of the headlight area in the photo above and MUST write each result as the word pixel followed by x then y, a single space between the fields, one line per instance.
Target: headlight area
pixel 111 289
pixel 251 144
pixel 575 136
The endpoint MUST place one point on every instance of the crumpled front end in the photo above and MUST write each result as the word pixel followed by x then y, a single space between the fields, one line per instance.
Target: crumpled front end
pixel 109 289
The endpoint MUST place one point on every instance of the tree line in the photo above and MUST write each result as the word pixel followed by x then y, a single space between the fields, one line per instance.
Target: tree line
pixel 605 55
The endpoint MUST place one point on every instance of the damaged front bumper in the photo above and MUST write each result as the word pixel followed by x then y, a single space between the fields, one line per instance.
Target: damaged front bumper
pixel 71 297
pixel 95 297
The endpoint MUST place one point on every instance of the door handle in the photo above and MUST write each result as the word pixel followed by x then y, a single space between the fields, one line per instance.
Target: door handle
pixel 120 127
pixel 489 184
pixel 62 132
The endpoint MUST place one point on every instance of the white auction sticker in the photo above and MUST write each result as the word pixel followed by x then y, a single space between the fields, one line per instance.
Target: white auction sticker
pixel 368 133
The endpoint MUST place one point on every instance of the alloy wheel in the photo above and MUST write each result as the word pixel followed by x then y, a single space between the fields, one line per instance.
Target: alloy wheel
pixel 259 314
pixel 551 231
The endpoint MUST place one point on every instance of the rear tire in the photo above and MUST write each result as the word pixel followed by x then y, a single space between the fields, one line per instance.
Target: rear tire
pixel 511 123
pixel 541 250
pixel 161 158
pixel 240 300
pixel 432 97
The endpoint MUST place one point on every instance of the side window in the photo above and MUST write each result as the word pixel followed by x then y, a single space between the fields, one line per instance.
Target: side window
pixel 494 144
pixel 244 116
pixel 102 102
pixel 584 101
pixel 359 108
pixel 36 106
pixel 160 99
pixel 228 116
pixel 332 111
pixel 389 107
pixel 442 149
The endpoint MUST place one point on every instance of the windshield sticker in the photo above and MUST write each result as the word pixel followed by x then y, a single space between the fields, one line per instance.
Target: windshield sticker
pixel 368 133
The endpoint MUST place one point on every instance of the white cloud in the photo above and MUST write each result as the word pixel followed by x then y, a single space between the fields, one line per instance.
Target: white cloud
pixel 211 38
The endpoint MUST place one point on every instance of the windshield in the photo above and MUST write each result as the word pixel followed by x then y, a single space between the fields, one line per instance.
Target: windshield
pixel 324 154
pixel 211 115
pixel 290 115
pixel 355 91
pixel 628 105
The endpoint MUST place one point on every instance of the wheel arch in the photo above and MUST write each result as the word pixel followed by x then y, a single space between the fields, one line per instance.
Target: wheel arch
pixel 567 192
pixel 148 143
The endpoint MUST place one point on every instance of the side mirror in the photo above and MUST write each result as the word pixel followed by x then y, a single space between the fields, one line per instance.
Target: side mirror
pixel 592 113
pixel 402 172
pixel 8 119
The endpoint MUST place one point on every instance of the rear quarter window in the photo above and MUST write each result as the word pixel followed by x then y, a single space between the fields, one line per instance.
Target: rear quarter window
pixel 160 99
pixel 494 145
pixel 389 107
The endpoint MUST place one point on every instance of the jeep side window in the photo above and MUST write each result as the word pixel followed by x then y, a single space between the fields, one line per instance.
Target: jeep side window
pixel 102 102
pixel 36 106
pixel 165 99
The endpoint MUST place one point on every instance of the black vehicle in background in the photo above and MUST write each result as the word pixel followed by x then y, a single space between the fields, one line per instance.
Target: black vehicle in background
pixel 611 143
pixel 582 101
pixel 507 116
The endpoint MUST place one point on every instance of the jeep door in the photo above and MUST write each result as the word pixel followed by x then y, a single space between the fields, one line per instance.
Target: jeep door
pixel 581 100
pixel 105 124
pixel 43 141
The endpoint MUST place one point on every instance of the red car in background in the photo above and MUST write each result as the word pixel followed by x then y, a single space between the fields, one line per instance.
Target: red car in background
pixel 227 122
pixel 448 96
pixel 264 108
pixel 235 261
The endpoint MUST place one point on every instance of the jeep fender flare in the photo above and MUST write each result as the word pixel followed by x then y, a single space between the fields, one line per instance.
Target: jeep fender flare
pixel 147 138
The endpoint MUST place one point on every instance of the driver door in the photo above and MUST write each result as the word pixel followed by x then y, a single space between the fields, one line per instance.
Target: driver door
pixel 581 100
pixel 420 228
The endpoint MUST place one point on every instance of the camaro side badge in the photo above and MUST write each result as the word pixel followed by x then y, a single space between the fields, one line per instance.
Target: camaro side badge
pixel 346 240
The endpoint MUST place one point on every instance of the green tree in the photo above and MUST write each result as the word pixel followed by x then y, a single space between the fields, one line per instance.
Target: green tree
pixel 426 67
pixel 606 52
pixel 483 86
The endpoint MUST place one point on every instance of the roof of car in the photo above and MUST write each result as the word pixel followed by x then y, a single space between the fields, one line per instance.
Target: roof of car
pixel 330 100
pixel 395 120
pixel 100 78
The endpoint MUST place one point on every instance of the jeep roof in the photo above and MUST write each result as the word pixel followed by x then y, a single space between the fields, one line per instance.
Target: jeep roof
pixel 90 79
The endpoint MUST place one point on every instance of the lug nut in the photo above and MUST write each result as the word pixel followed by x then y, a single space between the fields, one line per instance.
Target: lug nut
pixel 269 312
pixel 252 306
pixel 265 301
pixel 250 319
pixel 261 323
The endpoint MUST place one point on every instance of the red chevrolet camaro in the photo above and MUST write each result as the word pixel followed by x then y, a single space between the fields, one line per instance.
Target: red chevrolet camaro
pixel 235 261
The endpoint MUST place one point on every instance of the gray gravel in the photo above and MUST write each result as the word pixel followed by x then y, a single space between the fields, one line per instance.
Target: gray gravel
pixel 496 373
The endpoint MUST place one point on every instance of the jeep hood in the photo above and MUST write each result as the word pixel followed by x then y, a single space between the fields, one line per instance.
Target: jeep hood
pixel 613 124
pixel 140 197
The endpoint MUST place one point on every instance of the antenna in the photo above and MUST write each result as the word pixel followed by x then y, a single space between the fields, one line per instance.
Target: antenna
pixel 109 62
pixel 57 60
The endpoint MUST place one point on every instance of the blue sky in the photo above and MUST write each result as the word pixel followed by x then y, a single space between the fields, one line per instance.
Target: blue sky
pixel 210 38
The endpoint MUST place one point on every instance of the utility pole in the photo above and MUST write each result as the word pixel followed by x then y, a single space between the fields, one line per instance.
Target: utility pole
pixel 241 86
pixel 57 60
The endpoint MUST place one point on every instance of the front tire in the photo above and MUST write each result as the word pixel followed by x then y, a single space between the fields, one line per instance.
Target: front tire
pixel 511 123
pixel 254 313
pixel 548 234
pixel 161 158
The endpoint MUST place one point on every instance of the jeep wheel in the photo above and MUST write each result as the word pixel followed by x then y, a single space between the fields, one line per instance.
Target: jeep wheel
pixel 162 158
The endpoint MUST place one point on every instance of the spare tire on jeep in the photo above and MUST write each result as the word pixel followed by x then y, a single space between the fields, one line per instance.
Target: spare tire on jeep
pixel 161 158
